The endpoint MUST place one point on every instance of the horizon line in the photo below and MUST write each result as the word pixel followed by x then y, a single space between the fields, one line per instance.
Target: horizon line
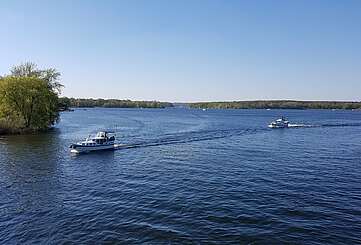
pixel 218 101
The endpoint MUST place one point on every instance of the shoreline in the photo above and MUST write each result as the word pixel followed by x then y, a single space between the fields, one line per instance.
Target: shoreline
pixel 278 104
pixel 17 131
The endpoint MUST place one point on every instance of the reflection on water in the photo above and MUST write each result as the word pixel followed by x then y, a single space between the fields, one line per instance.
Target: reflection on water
pixel 32 181
pixel 188 176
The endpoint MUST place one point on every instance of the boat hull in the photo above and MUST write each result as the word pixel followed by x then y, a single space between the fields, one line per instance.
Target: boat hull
pixel 277 126
pixel 80 148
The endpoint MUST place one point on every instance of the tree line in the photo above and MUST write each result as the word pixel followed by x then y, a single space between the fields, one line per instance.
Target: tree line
pixel 66 103
pixel 277 104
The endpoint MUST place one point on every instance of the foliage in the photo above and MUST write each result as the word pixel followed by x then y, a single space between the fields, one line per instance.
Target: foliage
pixel 278 104
pixel 29 98
pixel 28 69
pixel 65 103
pixel 28 101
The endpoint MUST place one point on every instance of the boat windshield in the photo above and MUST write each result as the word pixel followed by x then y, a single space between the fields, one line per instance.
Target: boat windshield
pixel 101 134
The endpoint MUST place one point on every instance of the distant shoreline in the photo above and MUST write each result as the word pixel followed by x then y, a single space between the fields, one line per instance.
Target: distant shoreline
pixel 66 103
pixel 278 104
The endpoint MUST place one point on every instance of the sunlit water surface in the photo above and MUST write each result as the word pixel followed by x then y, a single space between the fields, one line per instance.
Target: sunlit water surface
pixel 191 176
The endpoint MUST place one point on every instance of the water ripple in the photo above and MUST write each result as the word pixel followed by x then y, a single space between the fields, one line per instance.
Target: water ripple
pixel 186 177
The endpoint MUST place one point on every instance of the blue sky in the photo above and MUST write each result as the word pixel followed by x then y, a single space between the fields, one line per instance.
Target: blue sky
pixel 190 50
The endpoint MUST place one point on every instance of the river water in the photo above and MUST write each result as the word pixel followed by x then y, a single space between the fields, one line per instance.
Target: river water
pixel 190 177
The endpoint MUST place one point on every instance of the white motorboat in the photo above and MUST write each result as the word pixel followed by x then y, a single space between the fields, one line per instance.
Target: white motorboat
pixel 279 123
pixel 102 141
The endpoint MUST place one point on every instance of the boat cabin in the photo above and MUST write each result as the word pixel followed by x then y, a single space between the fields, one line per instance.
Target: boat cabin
pixel 101 138
pixel 101 141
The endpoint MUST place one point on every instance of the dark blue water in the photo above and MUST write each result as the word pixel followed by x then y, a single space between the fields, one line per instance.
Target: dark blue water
pixel 191 176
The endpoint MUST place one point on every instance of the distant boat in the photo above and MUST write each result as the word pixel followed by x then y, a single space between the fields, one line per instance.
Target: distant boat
pixel 102 141
pixel 204 109
pixel 279 123
pixel 268 109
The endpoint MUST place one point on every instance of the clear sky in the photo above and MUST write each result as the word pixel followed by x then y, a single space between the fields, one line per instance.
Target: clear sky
pixel 190 50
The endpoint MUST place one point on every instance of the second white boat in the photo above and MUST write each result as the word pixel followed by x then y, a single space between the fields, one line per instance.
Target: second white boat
pixel 279 123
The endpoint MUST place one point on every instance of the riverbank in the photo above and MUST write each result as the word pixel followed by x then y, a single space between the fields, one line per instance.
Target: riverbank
pixel 14 131
pixel 8 128
pixel 23 131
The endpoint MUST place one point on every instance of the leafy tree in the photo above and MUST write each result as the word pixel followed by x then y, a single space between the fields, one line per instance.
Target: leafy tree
pixel 28 101
pixel 29 69
pixel 29 97
pixel 64 103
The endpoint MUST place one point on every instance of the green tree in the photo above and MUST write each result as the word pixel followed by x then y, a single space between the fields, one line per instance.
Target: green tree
pixel 64 103
pixel 28 101
pixel 29 69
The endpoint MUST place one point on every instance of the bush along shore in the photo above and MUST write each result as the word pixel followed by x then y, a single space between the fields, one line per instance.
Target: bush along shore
pixel 29 99
pixel 278 104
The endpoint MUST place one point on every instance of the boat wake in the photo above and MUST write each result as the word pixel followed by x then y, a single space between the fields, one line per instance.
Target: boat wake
pixel 324 125
pixel 300 125
pixel 204 135
pixel 188 137
pixel 342 125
